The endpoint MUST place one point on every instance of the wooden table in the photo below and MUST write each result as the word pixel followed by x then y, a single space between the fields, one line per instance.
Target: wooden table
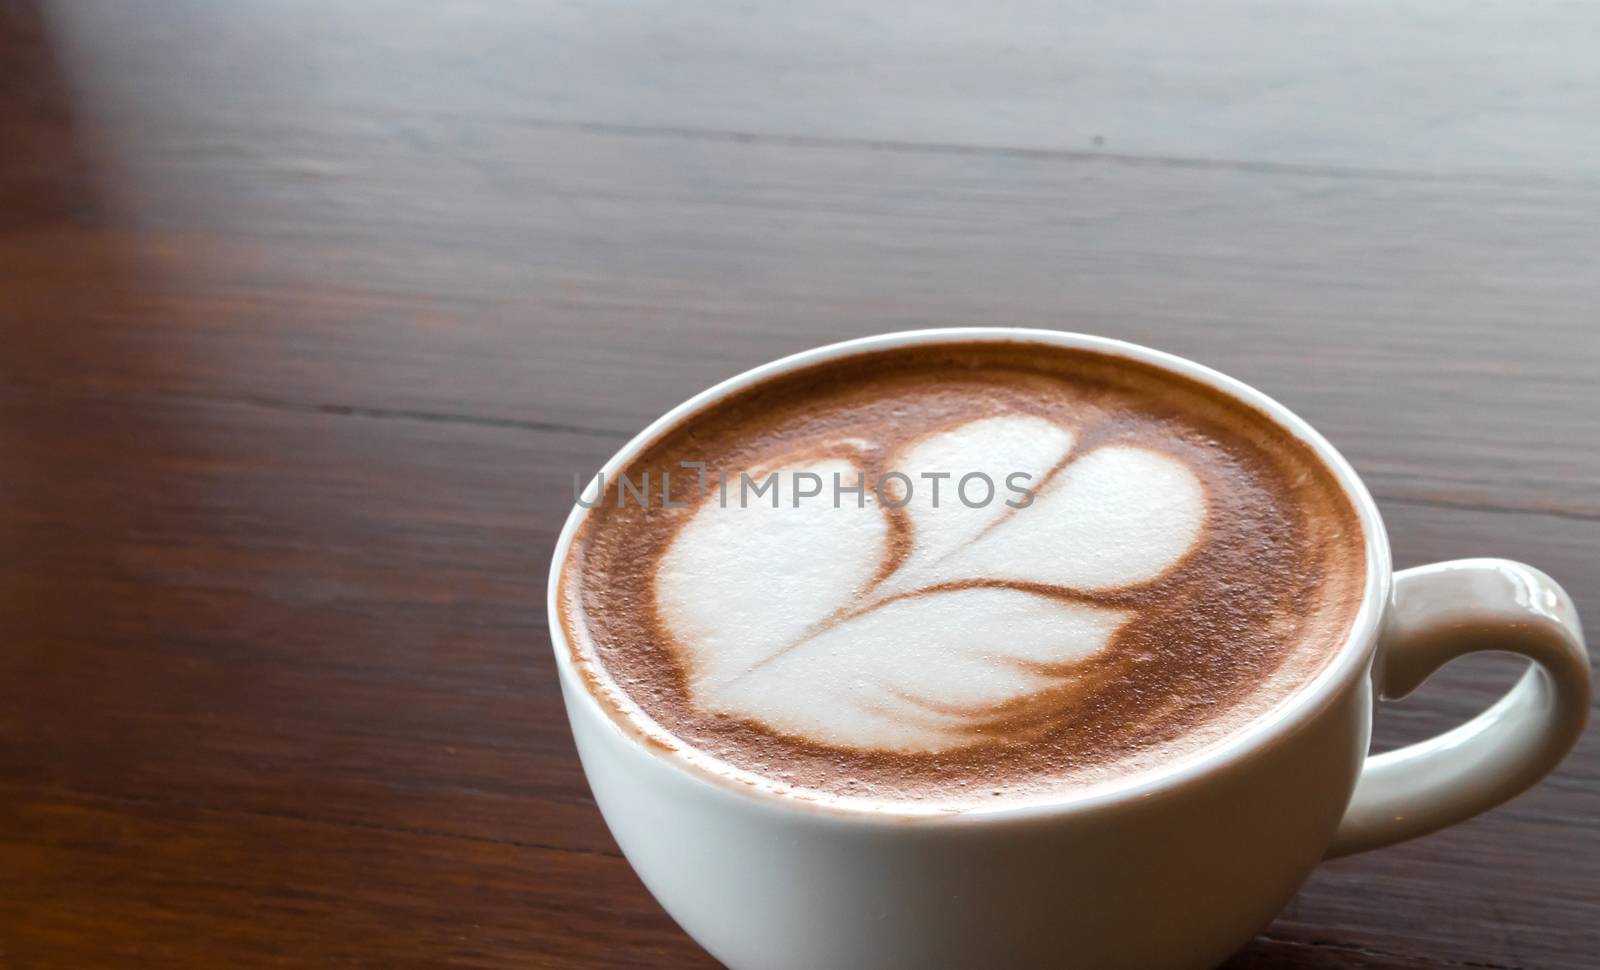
pixel 311 311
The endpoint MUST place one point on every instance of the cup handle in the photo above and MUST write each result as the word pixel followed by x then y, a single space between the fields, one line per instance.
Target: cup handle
pixel 1441 612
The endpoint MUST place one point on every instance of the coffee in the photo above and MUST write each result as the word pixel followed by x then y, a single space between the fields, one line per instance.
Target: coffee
pixel 961 572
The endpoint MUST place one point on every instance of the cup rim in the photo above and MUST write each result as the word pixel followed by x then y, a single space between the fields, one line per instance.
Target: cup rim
pixel 1350 659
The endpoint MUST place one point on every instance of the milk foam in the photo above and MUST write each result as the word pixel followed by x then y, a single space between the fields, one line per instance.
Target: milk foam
pixel 1186 566
pixel 910 629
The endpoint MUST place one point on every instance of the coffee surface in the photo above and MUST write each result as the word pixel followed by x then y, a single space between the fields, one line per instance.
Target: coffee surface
pixel 954 573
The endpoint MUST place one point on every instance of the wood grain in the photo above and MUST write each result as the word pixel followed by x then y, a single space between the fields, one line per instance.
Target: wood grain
pixel 309 316
pixel 1424 88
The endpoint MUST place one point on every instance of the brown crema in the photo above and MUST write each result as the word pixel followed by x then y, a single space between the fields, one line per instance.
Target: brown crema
pixel 1247 617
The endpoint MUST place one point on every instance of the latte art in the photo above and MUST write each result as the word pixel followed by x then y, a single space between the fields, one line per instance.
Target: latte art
pixel 1180 566
pixel 908 629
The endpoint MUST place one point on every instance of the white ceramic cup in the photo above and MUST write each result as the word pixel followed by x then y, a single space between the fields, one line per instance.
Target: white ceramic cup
pixel 1177 867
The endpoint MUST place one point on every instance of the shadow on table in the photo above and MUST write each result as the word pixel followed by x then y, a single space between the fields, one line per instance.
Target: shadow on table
pixel 1274 954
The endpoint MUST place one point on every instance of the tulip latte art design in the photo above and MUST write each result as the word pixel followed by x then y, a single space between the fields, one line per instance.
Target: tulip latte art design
pixel 1178 566
pixel 905 629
